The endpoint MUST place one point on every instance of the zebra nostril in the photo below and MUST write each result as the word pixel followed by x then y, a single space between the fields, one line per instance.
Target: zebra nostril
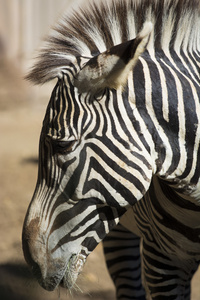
pixel 36 271
pixel 26 243
pixel 29 237
pixel 29 240
pixel 30 261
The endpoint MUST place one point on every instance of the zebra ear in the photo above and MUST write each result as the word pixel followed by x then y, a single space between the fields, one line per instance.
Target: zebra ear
pixel 110 69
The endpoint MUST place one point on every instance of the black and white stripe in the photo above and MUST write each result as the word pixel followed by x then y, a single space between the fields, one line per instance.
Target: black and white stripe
pixel 122 130
pixel 122 253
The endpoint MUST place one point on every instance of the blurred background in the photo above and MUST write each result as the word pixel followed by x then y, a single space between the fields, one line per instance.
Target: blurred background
pixel 24 23
pixel 23 26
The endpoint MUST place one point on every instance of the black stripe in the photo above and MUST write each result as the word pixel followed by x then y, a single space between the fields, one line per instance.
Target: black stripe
pixel 139 86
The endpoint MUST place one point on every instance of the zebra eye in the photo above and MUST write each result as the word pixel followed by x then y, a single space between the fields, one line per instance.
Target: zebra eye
pixel 63 147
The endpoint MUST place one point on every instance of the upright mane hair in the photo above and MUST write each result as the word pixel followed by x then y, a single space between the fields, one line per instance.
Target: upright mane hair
pixel 98 25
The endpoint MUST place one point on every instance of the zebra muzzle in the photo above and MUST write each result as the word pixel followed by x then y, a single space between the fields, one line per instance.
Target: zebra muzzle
pixel 50 271
pixel 64 277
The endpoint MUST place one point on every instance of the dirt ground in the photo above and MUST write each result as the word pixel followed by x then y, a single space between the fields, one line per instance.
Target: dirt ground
pixel 21 112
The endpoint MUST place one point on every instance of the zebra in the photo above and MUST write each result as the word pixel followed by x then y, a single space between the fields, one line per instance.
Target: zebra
pixel 119 155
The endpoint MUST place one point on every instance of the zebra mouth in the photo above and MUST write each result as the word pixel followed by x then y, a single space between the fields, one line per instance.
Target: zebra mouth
pixel 74 267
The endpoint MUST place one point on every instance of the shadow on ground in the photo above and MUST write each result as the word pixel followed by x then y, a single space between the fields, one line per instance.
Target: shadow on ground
pixel 30 160
pixel 15 280
pixel 17 283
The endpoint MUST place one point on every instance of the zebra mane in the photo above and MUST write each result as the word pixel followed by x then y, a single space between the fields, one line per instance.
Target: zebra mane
pixel 94 27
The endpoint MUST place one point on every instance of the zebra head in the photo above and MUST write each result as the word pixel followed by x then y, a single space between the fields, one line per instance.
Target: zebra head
pixel 88 165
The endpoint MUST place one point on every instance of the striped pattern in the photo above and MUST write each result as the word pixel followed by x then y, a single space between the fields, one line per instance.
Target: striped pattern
pixel 171 244
pixel 100 153
pixel 122 253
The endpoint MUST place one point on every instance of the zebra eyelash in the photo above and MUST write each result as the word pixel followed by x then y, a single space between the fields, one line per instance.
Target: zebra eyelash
pixel 63 147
